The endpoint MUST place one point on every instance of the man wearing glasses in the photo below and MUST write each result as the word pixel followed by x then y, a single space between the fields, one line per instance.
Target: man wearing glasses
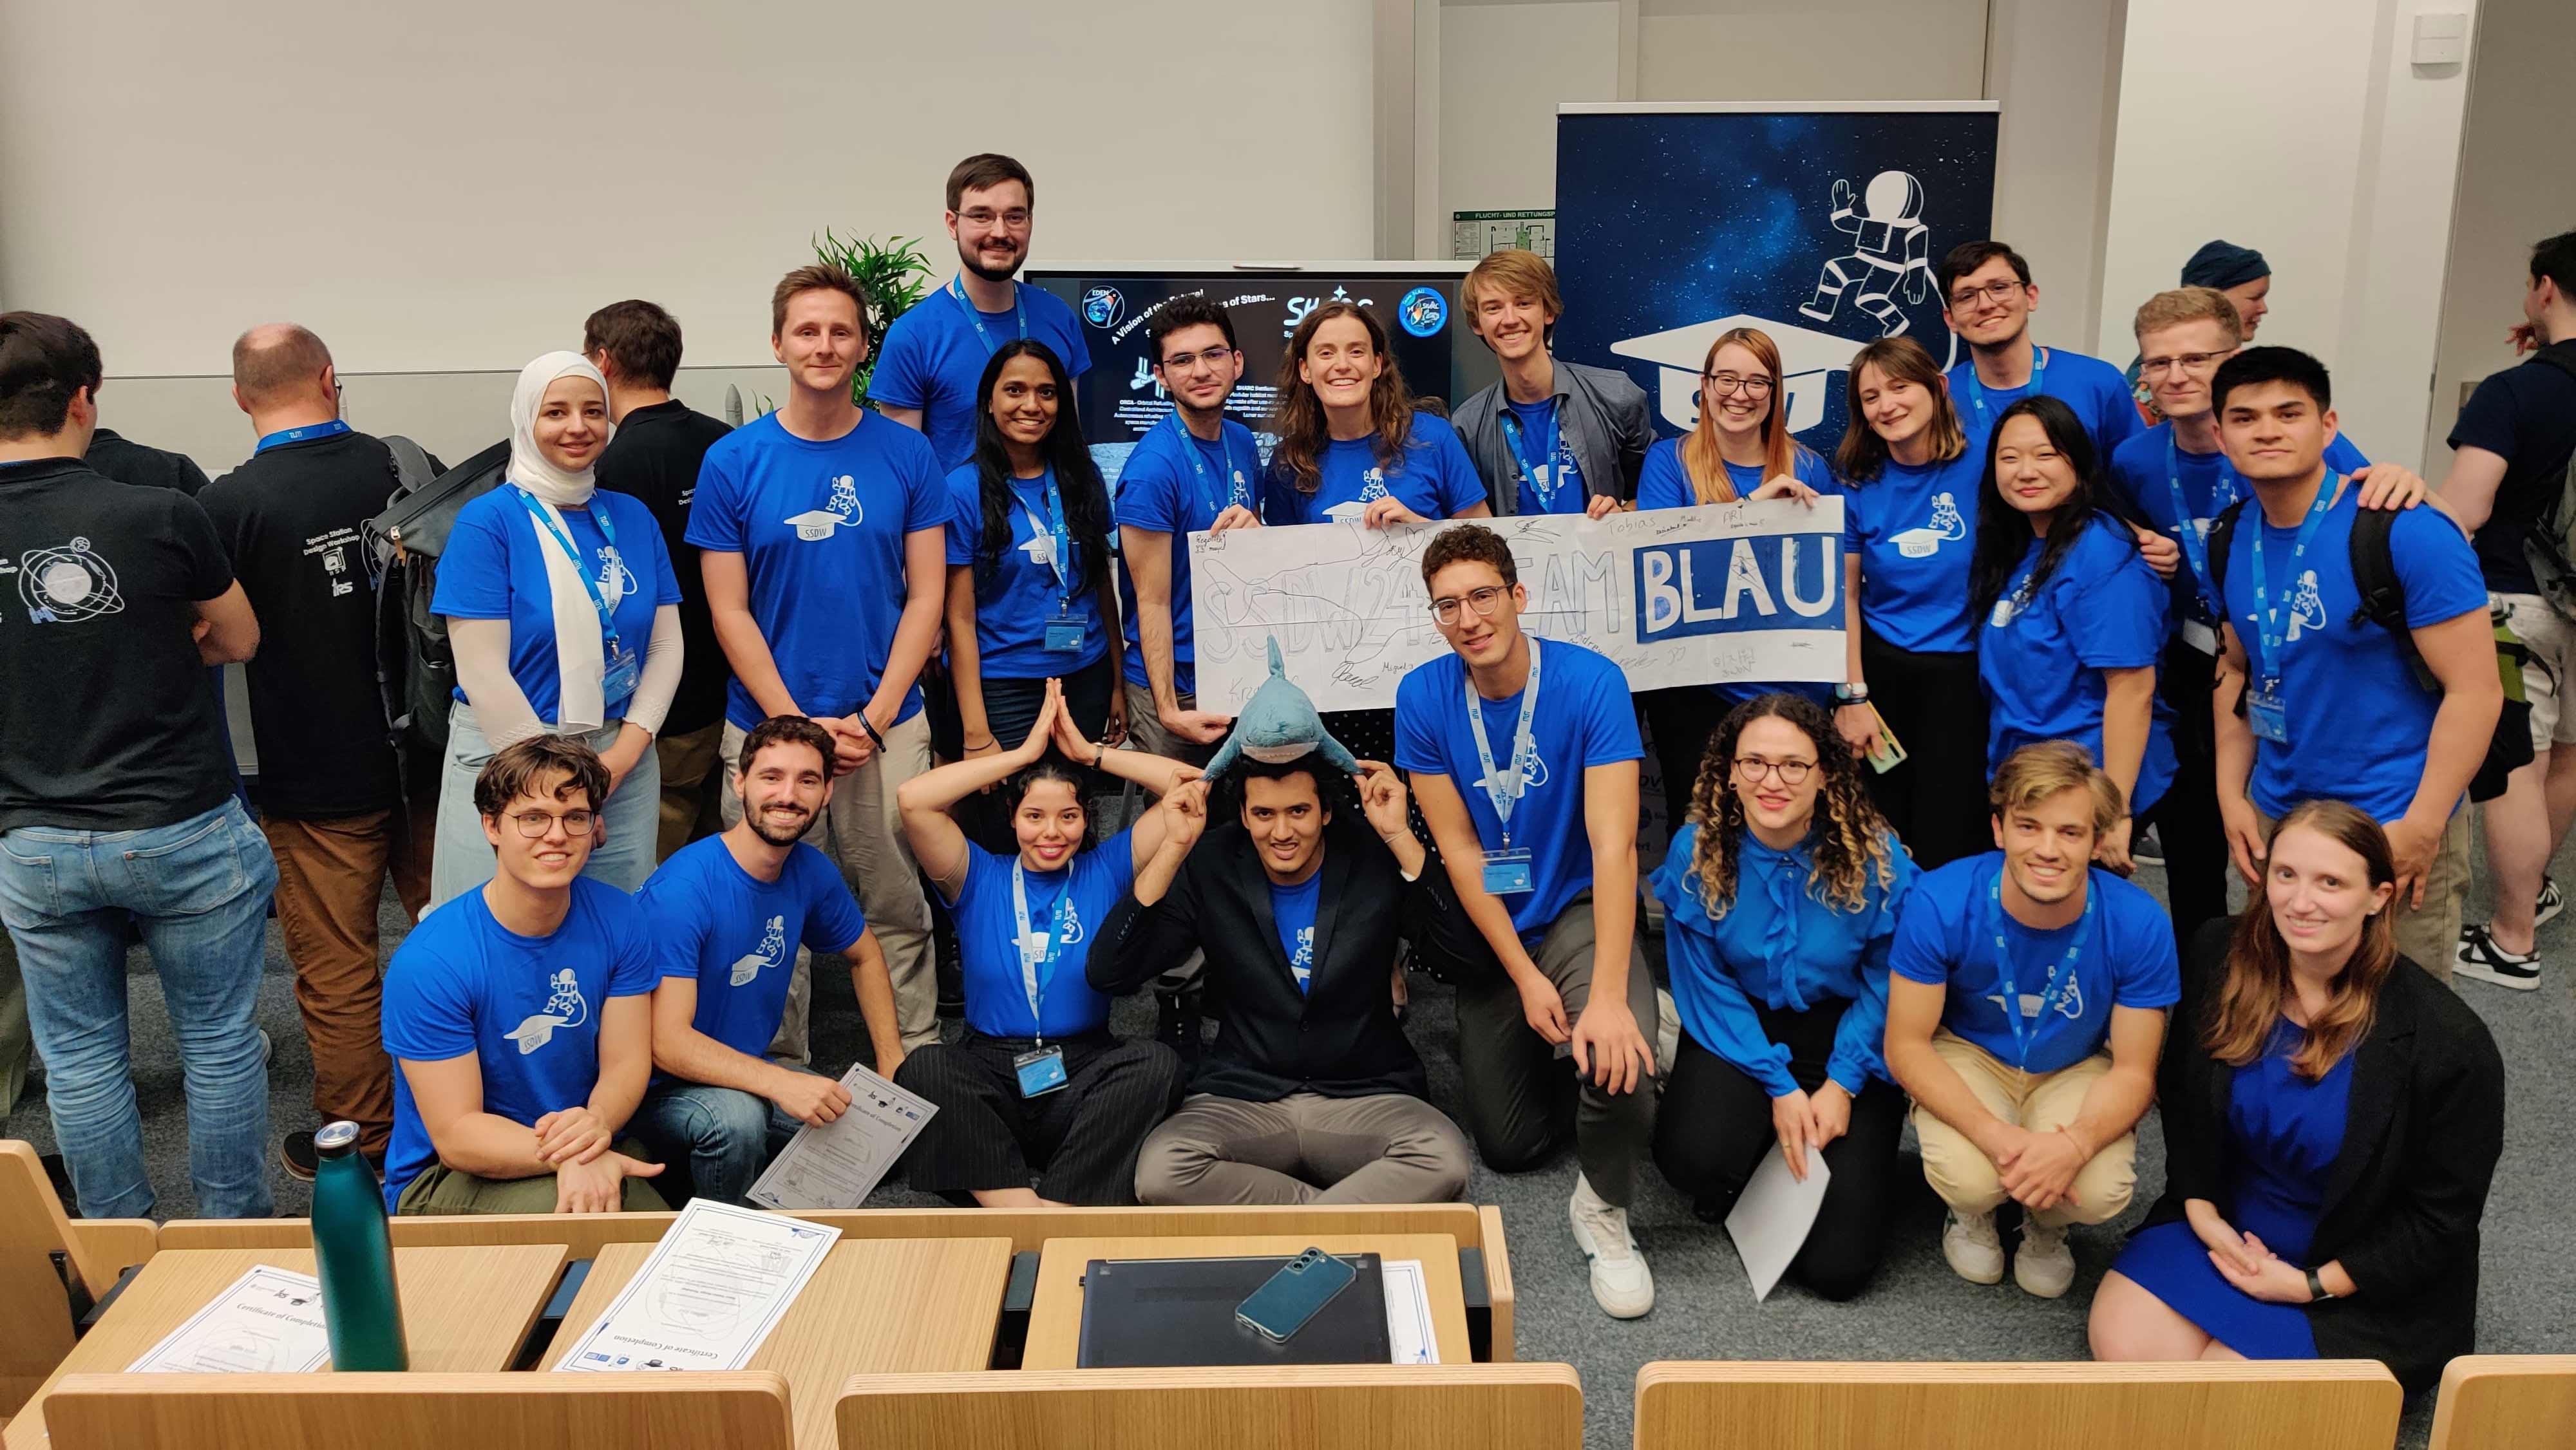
pixel 1552 437
pixel 1987 297
pixel 935 353
pixel 1524 755
pixel 520 1014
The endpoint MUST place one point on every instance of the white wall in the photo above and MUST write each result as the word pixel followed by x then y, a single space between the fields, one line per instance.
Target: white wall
pixel 1503 69
pixel 1810 50
pixel 2306 133
pixel 2055 66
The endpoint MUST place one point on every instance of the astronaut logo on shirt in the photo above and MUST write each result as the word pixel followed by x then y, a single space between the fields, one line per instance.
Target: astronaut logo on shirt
pixel 1946 525
pixel 1534 778
pixel 67 585
pixel 564 1008
pixel 2070 1002
pixel 2307 610
pixel 616 581
pixel 773 950
pixel 1302 965
pixel 1372 488
pixel 840 510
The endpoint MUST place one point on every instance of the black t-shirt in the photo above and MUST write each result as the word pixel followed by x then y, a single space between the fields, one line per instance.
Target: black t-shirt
pixel 289 518
pixel 655 457
pixel 106 723
pixel 2527 416
pixel 127 461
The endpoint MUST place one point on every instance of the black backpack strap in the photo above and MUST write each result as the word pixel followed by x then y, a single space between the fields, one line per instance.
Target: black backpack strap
pixel 2383 594
pixel 2559 360
pixel 2222 542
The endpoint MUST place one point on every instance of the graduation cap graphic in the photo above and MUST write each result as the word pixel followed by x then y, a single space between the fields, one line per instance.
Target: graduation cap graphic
pixel 1808 362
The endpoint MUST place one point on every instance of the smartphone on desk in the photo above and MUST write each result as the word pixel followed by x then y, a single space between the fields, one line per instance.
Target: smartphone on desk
pixel 1303 1285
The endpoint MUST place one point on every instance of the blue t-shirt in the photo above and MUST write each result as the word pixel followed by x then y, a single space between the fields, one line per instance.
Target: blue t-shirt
pixel 821 528
pixel 1665 483
pixel 1293 909
pixel 737 935
pixel 934 360
pixel 1161 488
pixel 1436 479
pixel 1540 434
pixel 1945 936
pixel 526 1007
pixel 2144 472
pixel 495 568
pixel 1585 718
pixel 1780 943
pixel 1011 613
pixel 2100 396
pixel 1915 530
pixel 2359 724
pixel 997 999
pixel 2041 659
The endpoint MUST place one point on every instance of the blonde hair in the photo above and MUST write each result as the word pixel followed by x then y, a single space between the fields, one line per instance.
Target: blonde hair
pixel 1710 482
pixel 2048 768
pixel 2190 304
pixel 1514 273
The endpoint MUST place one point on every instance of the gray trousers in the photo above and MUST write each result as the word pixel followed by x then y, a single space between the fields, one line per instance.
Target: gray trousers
pixel 1520 1096
pixel 1304 1148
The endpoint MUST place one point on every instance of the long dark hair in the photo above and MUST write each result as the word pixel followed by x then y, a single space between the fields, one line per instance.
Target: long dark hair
pixel 2003 532
pixel 1300 415
pixel 1849 840
pixel 1086 498
pixel 2246 1006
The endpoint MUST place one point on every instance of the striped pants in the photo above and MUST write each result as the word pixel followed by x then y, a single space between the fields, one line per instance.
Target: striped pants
pixel 1077 1143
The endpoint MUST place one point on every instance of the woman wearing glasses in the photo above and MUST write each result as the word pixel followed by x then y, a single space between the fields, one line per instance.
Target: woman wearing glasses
pixel 1780 899
pixel 565 618
pixel 1741 449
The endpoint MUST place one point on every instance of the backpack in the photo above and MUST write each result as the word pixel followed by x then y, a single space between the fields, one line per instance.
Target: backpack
pixel 2383 602
pixel 415 666
pixel 2550 544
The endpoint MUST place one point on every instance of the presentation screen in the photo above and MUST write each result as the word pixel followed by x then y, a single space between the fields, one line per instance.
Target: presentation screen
pixel 1416 302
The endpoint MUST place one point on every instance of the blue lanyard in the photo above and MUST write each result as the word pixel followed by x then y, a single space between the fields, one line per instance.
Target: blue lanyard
pixel 1060 553
pixel 589 586
pixel 309 431
pixel 2034 388
pixel 1536 477
pixel 2060 977
pixel 957 289
pixel 1235 484
pixel 1036 973
pixel 1507 794
pixel 2223 495
pixel 2266 614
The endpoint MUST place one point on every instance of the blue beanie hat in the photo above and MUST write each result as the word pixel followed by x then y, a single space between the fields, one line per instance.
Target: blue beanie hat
pixel 2223 265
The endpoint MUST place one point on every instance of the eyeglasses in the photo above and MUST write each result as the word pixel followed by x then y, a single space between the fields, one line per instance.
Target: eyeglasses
pixel 534 824
pixel 985 216
pixel 2190 362
pixel 1752 768
pixel 1484 601
pixel 1182 362
pixel 1752 386
pixel 1994 294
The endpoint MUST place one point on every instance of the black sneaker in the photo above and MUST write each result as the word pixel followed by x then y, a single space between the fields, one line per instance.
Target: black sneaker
pixel 295 1153
pixel 2546 909
pixel 2147 850
pixel 2479 956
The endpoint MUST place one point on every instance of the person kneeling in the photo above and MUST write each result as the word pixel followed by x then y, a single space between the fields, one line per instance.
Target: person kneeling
pixel 727 914
pixel 2313 1047
pixel 1037 1085
pixel 1779 901
pixel 1311 1093
pixel 2011 973
pixel 518 1013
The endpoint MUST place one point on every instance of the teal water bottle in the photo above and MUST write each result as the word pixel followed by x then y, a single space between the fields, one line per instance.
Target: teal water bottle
pixel 353 1254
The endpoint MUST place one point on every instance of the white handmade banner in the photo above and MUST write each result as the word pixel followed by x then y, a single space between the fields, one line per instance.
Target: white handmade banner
pixel 1723 592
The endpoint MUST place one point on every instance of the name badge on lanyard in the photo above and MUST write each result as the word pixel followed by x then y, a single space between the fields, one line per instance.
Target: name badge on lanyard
pixel 2266 702
pixel 983 334
pixel 1041 1070
pixel 2036 387
pixel 620 669
pixel 2027 1021
pixel 1544 476
pixel 1507 872
pixel 1064 630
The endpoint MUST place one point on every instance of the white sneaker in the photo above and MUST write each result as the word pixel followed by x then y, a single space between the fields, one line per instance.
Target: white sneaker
pixel 2479 957
pixel 1975 1251
pixel 1621 1284
pixel 2044 1265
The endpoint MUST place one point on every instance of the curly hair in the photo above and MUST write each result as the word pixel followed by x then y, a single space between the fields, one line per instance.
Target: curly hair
pixel 1849 838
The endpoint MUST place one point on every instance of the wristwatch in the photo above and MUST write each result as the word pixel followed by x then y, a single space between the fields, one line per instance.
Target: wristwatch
pixel 1852 694
pixel 2317 1287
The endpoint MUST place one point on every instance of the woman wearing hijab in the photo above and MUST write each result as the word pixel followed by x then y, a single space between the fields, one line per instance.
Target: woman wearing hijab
pixel 564 615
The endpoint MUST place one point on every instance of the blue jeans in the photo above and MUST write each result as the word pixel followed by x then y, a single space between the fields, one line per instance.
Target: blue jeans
pixel 721 1137
pixel 199 891
pixel 630 824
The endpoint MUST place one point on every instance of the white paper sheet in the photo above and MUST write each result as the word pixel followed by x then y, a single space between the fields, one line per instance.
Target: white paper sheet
pixel 717 1283
pixel 268 1321
pixel 839 1164
pixel 1772 1217
pixel 1408 1313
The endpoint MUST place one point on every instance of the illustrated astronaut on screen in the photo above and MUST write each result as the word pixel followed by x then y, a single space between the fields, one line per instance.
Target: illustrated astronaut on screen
pixel 1889 246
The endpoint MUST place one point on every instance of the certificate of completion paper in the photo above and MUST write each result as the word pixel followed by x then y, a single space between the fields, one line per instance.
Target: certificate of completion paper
pixel 839 1164
pixel 1772 1217
pixel 269 1321
pixel 716 1284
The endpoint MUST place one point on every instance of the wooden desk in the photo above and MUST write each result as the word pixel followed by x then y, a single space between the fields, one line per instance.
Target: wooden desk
pixel 875 1306
pixel 464 1310
pixel 1055 1320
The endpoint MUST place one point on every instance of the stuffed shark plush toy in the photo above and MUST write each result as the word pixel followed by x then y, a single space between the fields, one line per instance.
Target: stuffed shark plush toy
pixel 1279 724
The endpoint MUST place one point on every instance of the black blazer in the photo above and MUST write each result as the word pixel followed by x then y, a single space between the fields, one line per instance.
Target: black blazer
pixel 1339 1037
pixel 2403 1200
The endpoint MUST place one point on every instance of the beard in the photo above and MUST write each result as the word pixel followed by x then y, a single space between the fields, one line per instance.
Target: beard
pixel 972 260
pixel 780 835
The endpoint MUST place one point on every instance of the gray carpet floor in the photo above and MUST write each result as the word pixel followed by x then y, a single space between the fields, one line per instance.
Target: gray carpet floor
pixel 1916 1310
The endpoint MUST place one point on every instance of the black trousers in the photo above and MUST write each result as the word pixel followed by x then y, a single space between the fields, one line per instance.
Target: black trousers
pixel 1079 1142
pixel 2186 819
pixel 1715 1125
pixel 1936 799
pixel 1681 720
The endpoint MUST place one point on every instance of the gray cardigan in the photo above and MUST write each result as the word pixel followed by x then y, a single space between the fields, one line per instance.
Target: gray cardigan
pixel 1603 414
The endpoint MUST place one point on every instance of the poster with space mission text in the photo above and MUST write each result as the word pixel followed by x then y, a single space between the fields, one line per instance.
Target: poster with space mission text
pixel 1820 226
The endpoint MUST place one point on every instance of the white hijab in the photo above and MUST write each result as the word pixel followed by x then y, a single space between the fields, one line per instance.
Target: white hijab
pixel 580 650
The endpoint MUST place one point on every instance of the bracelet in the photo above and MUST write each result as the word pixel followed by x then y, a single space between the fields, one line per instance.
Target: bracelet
pixel 1102 759
pixel 869 726
pixel 2317 1286
pixel 1854 693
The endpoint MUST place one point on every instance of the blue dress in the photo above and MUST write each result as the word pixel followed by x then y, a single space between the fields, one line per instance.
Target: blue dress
pixel 2282 1137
